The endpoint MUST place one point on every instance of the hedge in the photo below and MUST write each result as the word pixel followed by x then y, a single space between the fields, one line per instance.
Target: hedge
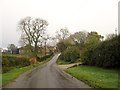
pixel 71 54
pixel 12 61
pixel 106 54
pixel 45 57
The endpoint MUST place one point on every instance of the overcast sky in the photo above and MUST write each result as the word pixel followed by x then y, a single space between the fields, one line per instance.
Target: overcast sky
pixel 76 15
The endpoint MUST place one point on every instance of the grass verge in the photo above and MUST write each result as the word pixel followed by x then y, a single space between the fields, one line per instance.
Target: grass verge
pixel 0 80
pixel 94 76
pixel 15 72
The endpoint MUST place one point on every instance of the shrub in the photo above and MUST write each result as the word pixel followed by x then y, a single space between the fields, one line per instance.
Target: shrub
pixel 70 54
pixel 106 54
pixel 61 46
pixel 45 57
pixel 13 61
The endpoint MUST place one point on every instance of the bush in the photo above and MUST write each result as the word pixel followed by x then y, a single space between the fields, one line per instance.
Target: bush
pixel 45 57
pixel 106 54
pixel 12 61
pixel 15 61
pixel 70 54
pixel 61 46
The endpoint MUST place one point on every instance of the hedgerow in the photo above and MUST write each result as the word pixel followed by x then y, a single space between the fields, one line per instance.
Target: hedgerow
pixel 106 54
pixel 12 61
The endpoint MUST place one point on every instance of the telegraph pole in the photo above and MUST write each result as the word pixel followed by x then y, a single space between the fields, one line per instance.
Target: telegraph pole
pixel 116 31
pixel 119 18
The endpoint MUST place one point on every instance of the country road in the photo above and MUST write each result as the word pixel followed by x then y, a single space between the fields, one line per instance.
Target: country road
pixel 47 75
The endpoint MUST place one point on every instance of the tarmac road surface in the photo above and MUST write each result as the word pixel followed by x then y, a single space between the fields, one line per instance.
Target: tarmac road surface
pixel 47 75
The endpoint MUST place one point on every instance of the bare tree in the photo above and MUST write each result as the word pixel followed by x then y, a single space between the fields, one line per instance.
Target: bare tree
pixel 45 38
pixel 54 41
pixel 62 34
pixel 110 36
pixel 32 32
pixel 79 37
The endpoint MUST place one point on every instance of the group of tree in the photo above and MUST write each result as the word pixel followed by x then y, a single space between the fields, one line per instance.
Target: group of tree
pixel 106 54
pixel 90 49
pixel 72 46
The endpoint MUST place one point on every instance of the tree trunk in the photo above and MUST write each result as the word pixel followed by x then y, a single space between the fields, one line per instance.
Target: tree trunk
pixel 36 50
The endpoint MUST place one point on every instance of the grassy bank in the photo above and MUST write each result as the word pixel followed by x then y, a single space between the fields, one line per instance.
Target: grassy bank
pixel 15 72
pixel 95 77
pixel 0 80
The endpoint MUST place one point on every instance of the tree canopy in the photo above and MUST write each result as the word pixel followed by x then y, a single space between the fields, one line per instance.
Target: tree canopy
pixel 33 31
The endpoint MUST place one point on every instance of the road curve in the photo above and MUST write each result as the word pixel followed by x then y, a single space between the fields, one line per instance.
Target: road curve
pixel 47 75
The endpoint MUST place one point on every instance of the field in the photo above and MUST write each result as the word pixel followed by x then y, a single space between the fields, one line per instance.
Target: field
pixel 94 76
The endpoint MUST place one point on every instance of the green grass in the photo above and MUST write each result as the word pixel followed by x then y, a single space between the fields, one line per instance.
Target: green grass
pixel 95 77
pixel 15 72
pixel 0 79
